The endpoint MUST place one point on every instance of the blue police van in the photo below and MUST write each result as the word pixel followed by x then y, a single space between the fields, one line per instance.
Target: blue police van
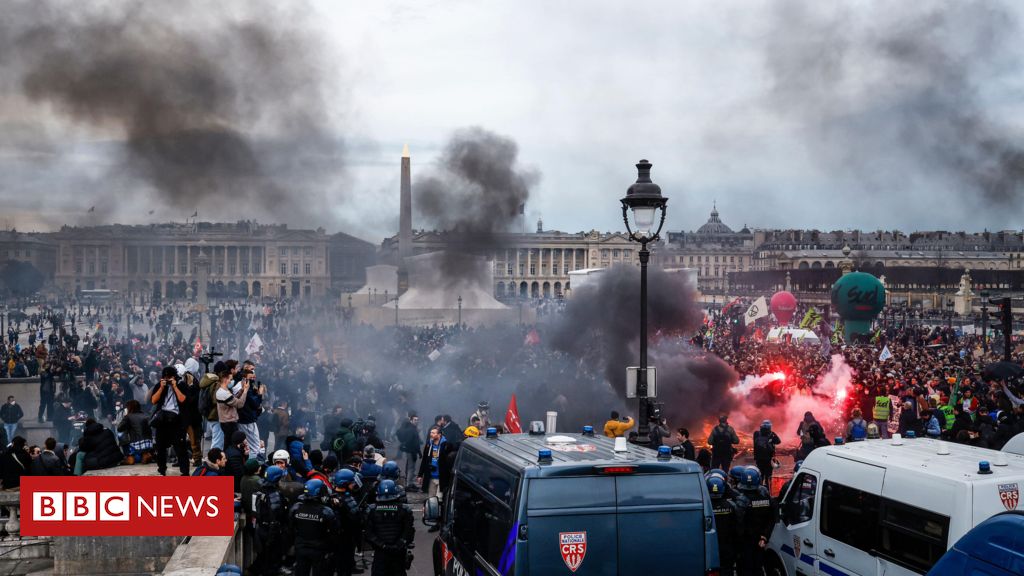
pixel 545 505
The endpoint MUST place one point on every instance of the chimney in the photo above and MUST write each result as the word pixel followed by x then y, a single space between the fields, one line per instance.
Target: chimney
pixel 404 222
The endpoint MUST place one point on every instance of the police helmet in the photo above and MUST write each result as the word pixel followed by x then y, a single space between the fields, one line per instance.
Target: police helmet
pixel 716 486
pixel 751 478
pixel 387 491
pixel 390 470
pixel 716 472
pixel 315 487
pixel 736 473
pixel 344 477
pixel 274 473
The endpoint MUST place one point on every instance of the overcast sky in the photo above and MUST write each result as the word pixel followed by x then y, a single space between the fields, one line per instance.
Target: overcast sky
pixel 805 115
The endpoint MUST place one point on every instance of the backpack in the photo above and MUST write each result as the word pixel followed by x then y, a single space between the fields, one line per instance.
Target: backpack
pixel 344 443
pixel 859 430
pixel 763 447
pixel 267 506
pixel 720 441
pixel 206 404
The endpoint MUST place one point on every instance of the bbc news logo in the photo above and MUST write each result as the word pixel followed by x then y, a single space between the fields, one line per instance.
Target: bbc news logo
pixel 127 506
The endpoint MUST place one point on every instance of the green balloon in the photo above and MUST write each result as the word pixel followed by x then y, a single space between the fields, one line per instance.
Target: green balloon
pixel 858 297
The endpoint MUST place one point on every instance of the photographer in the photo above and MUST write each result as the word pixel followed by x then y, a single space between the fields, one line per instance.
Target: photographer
pixel 228 401
pixel 250 411
pixel 167 423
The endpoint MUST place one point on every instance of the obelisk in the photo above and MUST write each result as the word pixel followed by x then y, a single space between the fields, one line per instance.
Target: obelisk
pixel 404 222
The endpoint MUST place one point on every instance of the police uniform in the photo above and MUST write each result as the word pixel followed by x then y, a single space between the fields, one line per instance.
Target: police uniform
pixel 271 517
pixel 347 510
pixel 315 527
pixel 758 518
pixel 390 532
pixel 727 528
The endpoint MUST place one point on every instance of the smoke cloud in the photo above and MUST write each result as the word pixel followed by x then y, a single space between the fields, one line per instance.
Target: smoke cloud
pixel 475 193
pixel 899 96
pixel 219 109
pixel 601 325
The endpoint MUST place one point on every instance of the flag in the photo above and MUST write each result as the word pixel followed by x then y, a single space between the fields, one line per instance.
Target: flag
pixel 512 417
pixel 198 348
pixel 532 339
pixel 92 209
pixel 811 319
pixel 878 334
pixel 954 394
pixel 195 214
pixel 434 355
pixel 254 345
pixel 759 309
pixel 885 355
pixel 151 212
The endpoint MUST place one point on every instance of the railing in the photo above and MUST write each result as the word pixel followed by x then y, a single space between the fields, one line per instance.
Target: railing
pixel 20 554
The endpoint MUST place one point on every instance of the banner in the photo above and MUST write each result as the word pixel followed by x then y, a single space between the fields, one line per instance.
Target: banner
pixel 811 319
pixel 759 309
pixel 512 417
pixel 885 355
pixel 254 345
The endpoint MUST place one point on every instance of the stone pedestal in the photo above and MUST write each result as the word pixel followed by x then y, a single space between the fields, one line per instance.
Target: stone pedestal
pixel 963 300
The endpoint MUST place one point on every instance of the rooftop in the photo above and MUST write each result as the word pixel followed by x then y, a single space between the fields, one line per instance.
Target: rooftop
pixel 921 456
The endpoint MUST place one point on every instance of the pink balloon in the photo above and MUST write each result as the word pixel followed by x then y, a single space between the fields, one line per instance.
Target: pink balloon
pixel 783 305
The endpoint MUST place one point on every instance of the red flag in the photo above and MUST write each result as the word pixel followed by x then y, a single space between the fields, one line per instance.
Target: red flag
pixel 512 417
pixel 532 339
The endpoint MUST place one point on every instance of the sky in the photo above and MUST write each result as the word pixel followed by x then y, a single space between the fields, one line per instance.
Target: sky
pixel 837 115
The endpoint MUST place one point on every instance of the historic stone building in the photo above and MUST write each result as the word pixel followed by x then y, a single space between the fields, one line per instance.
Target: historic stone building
pixel 160 260
pixel 35 248
pixel 714 251
pixel 534 264
pixel 811 249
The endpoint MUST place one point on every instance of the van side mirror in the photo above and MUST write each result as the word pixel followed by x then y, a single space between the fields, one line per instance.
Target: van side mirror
pixel 431 511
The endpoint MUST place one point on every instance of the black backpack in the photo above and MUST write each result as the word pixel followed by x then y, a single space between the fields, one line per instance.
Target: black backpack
pixel 206 404
pixel 763 447
pixel 268 507
pixel 720 441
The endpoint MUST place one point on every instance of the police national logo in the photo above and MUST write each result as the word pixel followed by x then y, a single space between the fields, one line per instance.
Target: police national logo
pixel 573 546
pixel 1009 494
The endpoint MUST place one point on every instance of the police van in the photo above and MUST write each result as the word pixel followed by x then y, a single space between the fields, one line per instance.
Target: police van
pixel 888 507
pixel 545 505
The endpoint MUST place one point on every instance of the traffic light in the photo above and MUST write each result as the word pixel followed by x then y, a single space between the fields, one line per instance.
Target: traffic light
pixel 1002 317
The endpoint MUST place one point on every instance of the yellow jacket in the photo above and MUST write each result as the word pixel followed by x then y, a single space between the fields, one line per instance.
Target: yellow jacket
pixel 615 428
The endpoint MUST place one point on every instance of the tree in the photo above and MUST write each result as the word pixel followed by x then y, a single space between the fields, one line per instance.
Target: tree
pixel 21 278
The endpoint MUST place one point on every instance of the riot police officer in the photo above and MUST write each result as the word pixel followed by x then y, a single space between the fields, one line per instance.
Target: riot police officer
pixel 726 524
pixel 271 519
pixel 391 471
pixel 315 527
pixel 757 510
pixel 346 483
pixel 389 530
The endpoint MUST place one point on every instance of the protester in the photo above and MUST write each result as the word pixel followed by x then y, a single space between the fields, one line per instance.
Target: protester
pixel 167 422
pixel 15 463
pixel 11 414
pixel 616 427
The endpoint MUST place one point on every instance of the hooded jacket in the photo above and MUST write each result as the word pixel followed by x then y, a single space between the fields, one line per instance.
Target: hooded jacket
pixel 100 447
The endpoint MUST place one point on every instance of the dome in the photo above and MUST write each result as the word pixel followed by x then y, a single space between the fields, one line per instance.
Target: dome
pixel 714 225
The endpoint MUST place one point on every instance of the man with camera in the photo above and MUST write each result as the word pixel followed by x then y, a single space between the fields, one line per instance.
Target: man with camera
pixel 249 412
pixel 167 424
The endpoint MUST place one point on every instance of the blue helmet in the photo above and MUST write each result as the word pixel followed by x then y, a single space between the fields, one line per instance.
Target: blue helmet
pixel 751 478
pixel 716 486
pixel 387 491
pixel 315 487
pixel 274 473
pixel 716 472
pixel 344 477
pixel 736 473
pixel 390 470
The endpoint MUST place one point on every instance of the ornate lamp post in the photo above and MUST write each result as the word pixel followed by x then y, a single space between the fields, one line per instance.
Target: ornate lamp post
pixel 644 199
pixel 460 311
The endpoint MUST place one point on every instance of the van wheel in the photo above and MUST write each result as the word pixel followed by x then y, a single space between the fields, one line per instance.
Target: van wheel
pixel 774 567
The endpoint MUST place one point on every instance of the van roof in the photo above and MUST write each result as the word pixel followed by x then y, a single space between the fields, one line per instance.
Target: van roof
pixel 520 451
pixel 921 455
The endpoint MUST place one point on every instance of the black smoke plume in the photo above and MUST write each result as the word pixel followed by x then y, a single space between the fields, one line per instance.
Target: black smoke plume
pixel 475 194
pixel 897 96
pixel 601 325
pixel 221 107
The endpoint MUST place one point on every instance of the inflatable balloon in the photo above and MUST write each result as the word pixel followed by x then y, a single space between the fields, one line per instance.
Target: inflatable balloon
pixel 858 297
pixel 783 305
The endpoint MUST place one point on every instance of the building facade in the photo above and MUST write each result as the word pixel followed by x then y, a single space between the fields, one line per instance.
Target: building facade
pixel 713 250
pixel 37 249
pixel 537 264
pixel 159 260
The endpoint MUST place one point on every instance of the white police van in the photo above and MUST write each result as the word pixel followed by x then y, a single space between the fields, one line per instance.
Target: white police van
pixel 888 506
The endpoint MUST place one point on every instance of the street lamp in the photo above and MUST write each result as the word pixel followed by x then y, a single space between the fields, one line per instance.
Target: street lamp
pixel 644 199
pixel 460 311
pixel 949 313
